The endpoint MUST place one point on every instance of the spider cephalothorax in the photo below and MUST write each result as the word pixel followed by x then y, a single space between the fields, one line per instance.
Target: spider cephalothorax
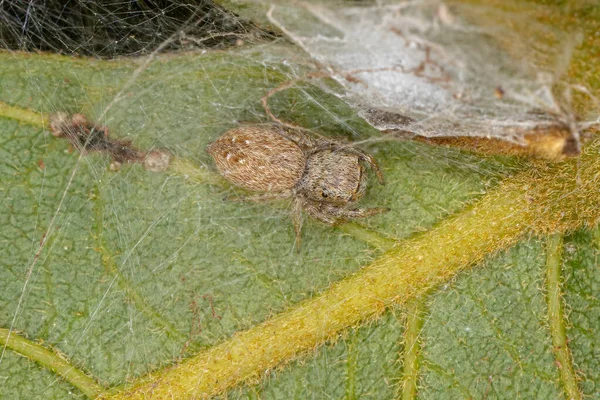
pixel 324 177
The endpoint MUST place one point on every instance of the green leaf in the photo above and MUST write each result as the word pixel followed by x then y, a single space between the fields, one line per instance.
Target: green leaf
pixel 140 270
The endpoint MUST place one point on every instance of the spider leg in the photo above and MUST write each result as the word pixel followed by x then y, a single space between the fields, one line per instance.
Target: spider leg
pixel 334 215
pixel 316 210
pixel 297 221
pixel 369 159
pixel 361 212
pixel 262 196
pixel 297 136
pixel 348 149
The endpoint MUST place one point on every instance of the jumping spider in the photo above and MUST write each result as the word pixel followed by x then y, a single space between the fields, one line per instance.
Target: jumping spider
pixel 324 177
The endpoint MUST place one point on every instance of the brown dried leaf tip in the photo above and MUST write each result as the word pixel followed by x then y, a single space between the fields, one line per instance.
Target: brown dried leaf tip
pixel 323 177
pixel 553 140
pixel 87 137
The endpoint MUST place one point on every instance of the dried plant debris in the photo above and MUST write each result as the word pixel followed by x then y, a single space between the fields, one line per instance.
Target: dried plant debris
pixel 414 69
pixel 87 137
pixel 553 140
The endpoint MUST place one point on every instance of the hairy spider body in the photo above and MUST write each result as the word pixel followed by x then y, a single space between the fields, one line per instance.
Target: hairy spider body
pixel 258 159
pixel 333 178
pixel 323 177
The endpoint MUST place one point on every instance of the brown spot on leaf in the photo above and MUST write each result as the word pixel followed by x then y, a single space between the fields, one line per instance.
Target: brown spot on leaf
pixel 86 137
pixel 157 161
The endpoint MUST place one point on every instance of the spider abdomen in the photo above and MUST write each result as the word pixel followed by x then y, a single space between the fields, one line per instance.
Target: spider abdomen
pixel 258 158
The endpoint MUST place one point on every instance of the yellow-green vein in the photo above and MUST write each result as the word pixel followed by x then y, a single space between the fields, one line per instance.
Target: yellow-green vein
pixel 23 115
pixel 556 317
pixel 369 236
pixel 52 360
pixel 111 269
pixel 412 349
pixel 351 365
pixel 596 236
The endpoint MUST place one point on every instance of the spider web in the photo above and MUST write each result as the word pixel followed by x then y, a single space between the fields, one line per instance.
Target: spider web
pixel 128 271
pixel 416 67
pixel 120 28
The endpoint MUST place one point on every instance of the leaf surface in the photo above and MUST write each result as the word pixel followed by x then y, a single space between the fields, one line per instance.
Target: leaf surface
pixel 141 269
